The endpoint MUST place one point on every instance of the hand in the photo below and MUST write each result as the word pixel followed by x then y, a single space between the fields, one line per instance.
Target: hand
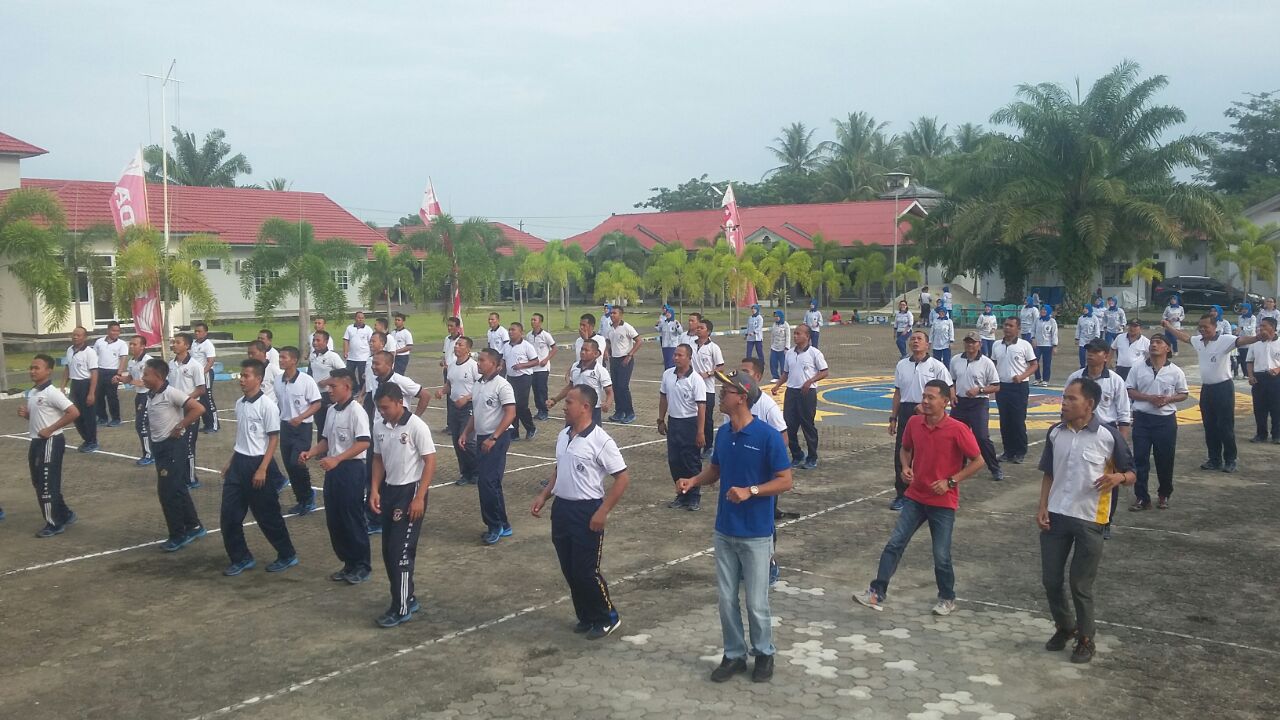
pixel 178 431
pixel 1253 380
pixel 1274 371
pixel 417 508
pixel 939 487
pixel 375 502
pixel 260 478
pixel 972 392
pixel 684 485
pixel 893 425
pixel 487 445
pixel 700 440
pixel 604 407
pixel 550 403
pixel 662 426
pixel 462 401
pixel 462 441
pixel 226 469
pixel 626 360
pixel 1042 519
pixel 597 520
pixel 45 433
pixel 295 422
pixel 89 400
pixel 1108 481
pixel 440 393
pixel 328 463
pixel 738 494
pixel 908 475
pixel 538 502
pixel 304 456
pixel 22 410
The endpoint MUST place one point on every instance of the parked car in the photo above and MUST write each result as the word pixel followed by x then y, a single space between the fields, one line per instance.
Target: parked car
pixel 1201 291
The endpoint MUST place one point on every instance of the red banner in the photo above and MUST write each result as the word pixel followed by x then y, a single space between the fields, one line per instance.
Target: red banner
pixel 733 233
pixel 128 208
pixel 429 211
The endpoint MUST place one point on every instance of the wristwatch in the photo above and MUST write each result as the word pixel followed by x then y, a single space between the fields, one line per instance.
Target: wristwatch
pixel 755 490
pixel 951 483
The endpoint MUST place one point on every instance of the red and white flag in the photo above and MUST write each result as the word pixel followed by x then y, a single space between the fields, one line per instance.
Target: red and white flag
pixel 429 211
pixel 733 234
pixel 129 208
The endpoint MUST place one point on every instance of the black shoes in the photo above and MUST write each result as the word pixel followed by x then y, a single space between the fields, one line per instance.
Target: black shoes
pixel 1083 651
pixel 728 668
pixel 1210 465
pixel 763 671
pixel 1230 467
pixel 1059 640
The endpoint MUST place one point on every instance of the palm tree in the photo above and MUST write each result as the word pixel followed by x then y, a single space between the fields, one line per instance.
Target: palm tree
pixel 624 248
pixel 826 278
pixel 383 274
pixel 861 153
pixel 967 137
pixel 31 221
pixel 288 260
pixel 925 145
pixel 79 254
pixel 907 271
pixel 1145 271
pixel 1252 249
pixel 1091 178
pixel 664 273
pixel 617 283
pixel 786 266
pixel 868 270
pixel 278 184
pixel 794 148
pixel 142 264
pixel 471 247
pixel 209 164
pixel 825 251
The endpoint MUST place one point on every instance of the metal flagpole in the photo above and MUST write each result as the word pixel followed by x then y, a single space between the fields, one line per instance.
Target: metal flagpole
pixel 165 330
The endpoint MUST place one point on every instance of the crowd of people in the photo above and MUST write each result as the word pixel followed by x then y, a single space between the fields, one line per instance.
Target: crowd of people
pixel 357 414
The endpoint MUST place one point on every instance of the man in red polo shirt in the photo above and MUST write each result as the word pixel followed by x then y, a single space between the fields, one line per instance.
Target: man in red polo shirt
pixel 938 453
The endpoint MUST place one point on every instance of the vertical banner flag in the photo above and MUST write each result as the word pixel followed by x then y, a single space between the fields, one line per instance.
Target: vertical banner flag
pixel 128 208
pixel 733 234
pixel 429 211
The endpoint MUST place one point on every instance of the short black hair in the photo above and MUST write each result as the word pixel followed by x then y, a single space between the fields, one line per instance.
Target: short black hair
pixel 388 356
pixel 492 354
pixel 1270 321
pixel 389 390
pixel 756 365
pixel 453 321
pixel 1097 345
pixel 398 316
pixel 324 334
pixel 381 321
pixel 259 346
pixel 200 324
pixel 1016 320
pixel 687 348
pixel 186 338
pixel 539 316
pixel 588 394
pixel 592 342
pixel 113 324
pixel 291 351
pixel 343 374
pixel 943 387
pixel 159 367
pixel 258 367
pixel 465 339
pixel 519 325
pixel 1091 389
pixel 380 335
pixel 589 319
pixel 268 333
pixel 48 361
pixel 707 324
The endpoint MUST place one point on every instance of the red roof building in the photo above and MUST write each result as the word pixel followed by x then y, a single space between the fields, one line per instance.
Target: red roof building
pixel 870 222
pixel 10 145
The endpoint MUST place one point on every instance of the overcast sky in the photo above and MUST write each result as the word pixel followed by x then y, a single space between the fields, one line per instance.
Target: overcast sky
pixel 560 113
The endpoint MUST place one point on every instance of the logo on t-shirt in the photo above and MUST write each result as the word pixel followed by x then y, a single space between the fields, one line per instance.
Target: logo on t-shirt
pixel 491 401
pixel 342 436
pixel 404 438
pixel 580 467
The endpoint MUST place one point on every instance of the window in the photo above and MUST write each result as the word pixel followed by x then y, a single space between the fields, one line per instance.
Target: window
pixel 1113 273
pixel 342 279
pixel 213 264
pixel 260 280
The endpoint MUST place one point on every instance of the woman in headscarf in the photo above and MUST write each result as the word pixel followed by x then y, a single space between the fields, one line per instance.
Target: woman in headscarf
pixel 669 332
pixel 1086 329
pixel 941 334
pixel 1224 325
pixel 902 323
pixel 987 324
pixel 1028 316
pixel 1113 320
pixel 1247 327
pixel 946 299
pixel 1175 314
pixel 1046 339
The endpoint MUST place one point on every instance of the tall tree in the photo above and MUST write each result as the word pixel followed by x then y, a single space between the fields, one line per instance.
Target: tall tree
pixel 663 274
pixel 795 149
pixel 859 157
pixel 31 222
pixel 207 164
pixel 967 137
pixel 474 244
pixel 1091 178
pixel 1248 155
pixel 143 264
pixel 868 269
pixel 826 251
pixel 621 247
pixel 926 145
pixel 617 283
pixel 279 184
pixel 383 275
pixel 1252 249
pixel 782 268
pixel 288 260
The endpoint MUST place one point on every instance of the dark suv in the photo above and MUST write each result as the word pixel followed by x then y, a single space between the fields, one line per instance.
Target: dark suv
pixel 1201 291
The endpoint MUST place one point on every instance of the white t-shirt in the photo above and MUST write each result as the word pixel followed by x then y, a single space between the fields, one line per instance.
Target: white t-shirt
pixel 449 342
pixel 344 425
pixel 1012 359
pixel 942 333
pixel 498 338
pixel 109 353
pixel 488 398
pixel 542 342
pixel 583 461
pixel 408 386
pixel 273 356
pixel 257 418
pixel 967 374
pixel 1114 407
pixel 910 377
pixel 135 368
pixel 1029 317
pixel 1131 353
pixel 813 319
pixel 516 353
pixel 46 405
pixel 1175 315
pixel 621 339
pixel 683 393
pixel 755 328
pixel 270 373
pixel 1215 357
pixel 669 332
pixel 600 342
pixel 780 336
pixel 185 376
pixel 802 365
pixel 202 350
pixel 165 409
pixel 597 377
pixel 322 366
pixel 403 339
pixel 81 363
pixel 1046 332
pixel 358 342
pixel 461 378
pixel 1264 356
pixel 402 445
pixel 1075 460
pixel 767 411
pixel 1144 379
pixel 986 326
pixel 295 397
pixel 706 358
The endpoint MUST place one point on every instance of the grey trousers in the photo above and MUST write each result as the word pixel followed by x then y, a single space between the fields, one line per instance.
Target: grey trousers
pixel 1056 544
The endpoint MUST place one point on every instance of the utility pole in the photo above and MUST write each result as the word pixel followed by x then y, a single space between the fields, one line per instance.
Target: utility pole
pixel 165 330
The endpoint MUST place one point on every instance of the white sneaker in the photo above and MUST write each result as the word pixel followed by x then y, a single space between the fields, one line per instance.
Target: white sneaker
pixel 944 607
pixel 870 599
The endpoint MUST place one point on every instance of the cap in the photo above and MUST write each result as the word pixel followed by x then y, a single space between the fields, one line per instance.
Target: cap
pixel 1135 322
pixel 743 382
pixel 971 337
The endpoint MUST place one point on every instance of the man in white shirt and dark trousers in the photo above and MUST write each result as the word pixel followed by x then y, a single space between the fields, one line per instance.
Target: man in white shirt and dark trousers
pixel 805 368
pixel 494 411
pixel 591 372
pixel 172 414
pixel 47 411
pixel 682 409
pixel 585 454
pixel 497 335
pixel 1155 388
pixel 755 333
pixel 112 354
pixel 1015 362
pixel 975 381
pixel 132 376
pixel 250 477
pixel 910 376
pixel 707 360
pixel 342 449
pixel 204 352
pixel 404 462
pixel 299 400
pixel 1217 389
pixel 82 370
pixel 1130 348
pixel 1113 408
pixel 323 363
pixel 520 357
pixel 404 343
pixel 355 348
pixel 460 377
pixel 545 344
pixel 624 343
pixel 1263 369
pixel 188 376
pixel 1084 461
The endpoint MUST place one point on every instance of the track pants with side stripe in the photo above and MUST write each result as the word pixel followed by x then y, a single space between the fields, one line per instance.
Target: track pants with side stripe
pixel 141 423
pixel 579 549
pixel 44 457
pixel 192 435
pixel 171 486
pixel 399 543
pixel 210 417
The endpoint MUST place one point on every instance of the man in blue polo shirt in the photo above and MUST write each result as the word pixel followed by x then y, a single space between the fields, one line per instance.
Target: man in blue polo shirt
pixel 752 460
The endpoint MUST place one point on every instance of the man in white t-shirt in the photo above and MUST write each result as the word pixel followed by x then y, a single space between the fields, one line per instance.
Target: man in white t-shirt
pixel 498 336
pixel 172 414
pixel 318 324
pixel 974 380
pixel 754 333
pixel 459 382
pixel 682 410
pixel 404 343
pixel 1217 389
pixel 355 348
pixel 707 360
pixel 298 400
pixel 519 358
pixel 779 344
pixel 910 376
pixel 624 343
pixel 323 363
pixel 188 376
pixel 112 354
pixel 590 371
pixel 545 344
pixel 47 411
pixel 1130 348
pixel 204 353
pixel 132 376
pixel 1263 368
pixel 805 368
pixel 1155 388
pixel 586 331
pixel 494 412
pixel 81 370
pixel 813 320
pixel 1015 362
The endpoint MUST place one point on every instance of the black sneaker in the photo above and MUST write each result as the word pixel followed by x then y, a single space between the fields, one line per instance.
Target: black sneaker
pixel 1230 467
pixel 763 671
pixel 693 506
pixel 341 575
pixel 581 627
pixel 1083 651
pixel 1059 640
pixel 599 631
pixel 1258 439
pixel 1210 465
pixel 677 503
pixel 357 576
pixel 728 668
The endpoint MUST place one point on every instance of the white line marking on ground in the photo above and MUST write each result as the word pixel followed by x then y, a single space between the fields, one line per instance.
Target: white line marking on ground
pixel 532 457
pixel 108 453
pixel 348 670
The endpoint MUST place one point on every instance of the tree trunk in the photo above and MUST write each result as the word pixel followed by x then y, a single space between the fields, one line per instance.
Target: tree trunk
pixel 304 314
pixel 546 291
pixel 4 367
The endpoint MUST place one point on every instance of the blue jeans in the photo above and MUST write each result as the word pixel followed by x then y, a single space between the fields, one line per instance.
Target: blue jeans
pixel 901 340
pixel 755 348
pixel 986 347
pixel 1173 341
pixel 941 522
pixel 668 358
pixel 777 362
pixel 943 355
pixel 744 561
pixel 1044 353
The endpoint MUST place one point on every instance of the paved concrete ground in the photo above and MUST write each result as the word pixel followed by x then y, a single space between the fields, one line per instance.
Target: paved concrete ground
pixel 98 623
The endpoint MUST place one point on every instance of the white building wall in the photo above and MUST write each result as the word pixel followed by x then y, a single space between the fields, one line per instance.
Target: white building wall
pixel 10 173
